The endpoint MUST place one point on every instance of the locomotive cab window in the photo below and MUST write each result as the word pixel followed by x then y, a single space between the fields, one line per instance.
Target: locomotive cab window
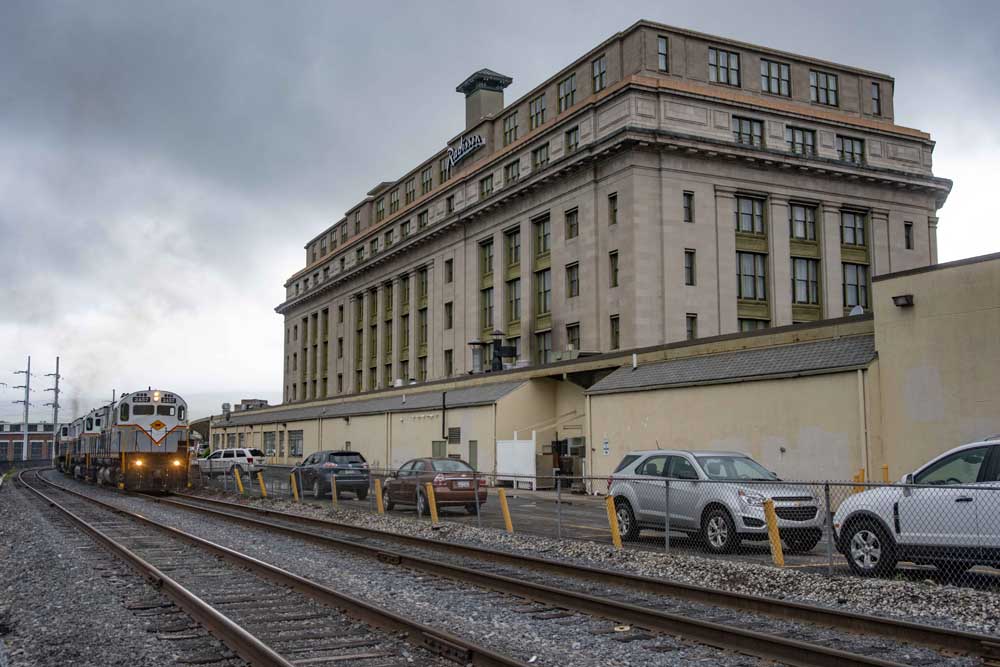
pixel 165 410
pixel 143 409
pixel 181 413
pixel 123 413
pixel 90 423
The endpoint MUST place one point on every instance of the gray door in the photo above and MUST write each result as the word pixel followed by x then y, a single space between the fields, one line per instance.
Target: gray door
pixel 439 449
pixel 474 454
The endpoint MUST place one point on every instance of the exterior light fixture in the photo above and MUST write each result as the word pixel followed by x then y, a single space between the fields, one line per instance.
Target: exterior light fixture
pixel 903 300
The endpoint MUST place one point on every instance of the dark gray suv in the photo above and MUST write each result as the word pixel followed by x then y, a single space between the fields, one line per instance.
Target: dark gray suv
pixel 349 469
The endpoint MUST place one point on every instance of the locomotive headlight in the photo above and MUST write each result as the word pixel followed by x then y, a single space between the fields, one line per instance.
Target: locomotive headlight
pixel 156 396
pixel 177 463
pixel 139 463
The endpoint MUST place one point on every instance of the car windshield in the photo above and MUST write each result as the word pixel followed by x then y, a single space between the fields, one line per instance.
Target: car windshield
pixel 451 466
pixel 734 467
pixel 346 459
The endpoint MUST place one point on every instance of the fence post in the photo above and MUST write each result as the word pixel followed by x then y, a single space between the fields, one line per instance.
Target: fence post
pixel 260 481
pixel 777 555
pixel 829 525
pixel 559 506
pixel 666 515
pixel 475 485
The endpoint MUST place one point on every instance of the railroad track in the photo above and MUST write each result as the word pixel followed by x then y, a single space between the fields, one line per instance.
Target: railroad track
pixel 643 603
pixel 268 616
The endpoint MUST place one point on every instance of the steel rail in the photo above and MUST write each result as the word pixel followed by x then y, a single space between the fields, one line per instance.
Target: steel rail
pixel 938 637
pixel 244 644
pixel 437 641
pixel 752 642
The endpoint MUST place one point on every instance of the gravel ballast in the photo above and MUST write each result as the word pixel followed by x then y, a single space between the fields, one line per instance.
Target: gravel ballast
pixel 64 600
pixel 918 601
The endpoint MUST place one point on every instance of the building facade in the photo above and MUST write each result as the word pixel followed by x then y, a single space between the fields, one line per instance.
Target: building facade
pixel 39 441
pixel 667 185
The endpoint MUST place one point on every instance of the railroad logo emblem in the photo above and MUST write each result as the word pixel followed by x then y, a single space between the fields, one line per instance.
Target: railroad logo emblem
pixel 157 425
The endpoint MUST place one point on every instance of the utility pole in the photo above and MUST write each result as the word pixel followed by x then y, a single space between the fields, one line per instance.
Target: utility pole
pixel 55 410
pixel 27 404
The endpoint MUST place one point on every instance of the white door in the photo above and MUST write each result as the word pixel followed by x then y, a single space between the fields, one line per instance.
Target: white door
pixel 947 515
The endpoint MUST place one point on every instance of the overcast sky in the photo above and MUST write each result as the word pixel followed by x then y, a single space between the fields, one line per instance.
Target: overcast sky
pixel 163 163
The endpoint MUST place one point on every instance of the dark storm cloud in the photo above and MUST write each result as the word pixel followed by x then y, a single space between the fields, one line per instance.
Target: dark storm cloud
pixel 162 163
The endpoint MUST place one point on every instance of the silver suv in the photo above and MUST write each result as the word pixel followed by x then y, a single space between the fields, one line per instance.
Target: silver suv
pixel 718 496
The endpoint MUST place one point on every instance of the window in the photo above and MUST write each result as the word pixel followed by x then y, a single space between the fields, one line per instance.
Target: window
pixel 449 270
pixel 613 208
pixel 404 369
pixel 536 111
pixel 393 201
pixel 359 255
pixel 444 169
pixel 855 285
pixel 486 308
pixel 852 228
pixel 540 157
pixel 613 268
pixel 543 347
pixel 379 212
pixel 802 221
pixel 516 344
pixel 387 340
pixel 449 204
pixel 689 267
pixel 600 71
pixel 404 229
pixel 426 180
pixel 390 237
pixel 512 172
pixel 908 235
pixel 449 315
pixel 512 247
pixel 691 324
pixel 572 280
pixel 751 275
pixel 422 219
pixel 422 326
pixel 422 285
pixel 486 258
pixel 295 443
pixel 513 300
pixel 572 223
pixel 850 149
pixel 573 336
pixel 876 100
pixel 357 223
pixel 486 187
pixel 805 280
pixel 774 78
pixel 572 139
pixel 387 298
pixel 662 53
pixel 374 246
pixel 411 190
pixel 449 363
pixel 542 236
pixel 749 215
pixel 823 88
pixel 510 129
pixel 747 324
pixel 800 140
pixel 567 92
pixel 269 443
pixel 340 313
pixel 404 333
pixel 543 292
pixel 723 67
pixel 616 332
pixel 748 131
pixel 340 383
pixel 322 246
pixel 688 207
pixel 404 291
pixel 962 467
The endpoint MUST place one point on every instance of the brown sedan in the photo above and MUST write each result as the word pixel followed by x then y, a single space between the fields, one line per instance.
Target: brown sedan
pixel 452 480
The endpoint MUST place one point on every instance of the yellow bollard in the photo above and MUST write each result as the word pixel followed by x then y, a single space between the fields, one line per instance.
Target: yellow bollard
pixel 121 484
pixel 333 490
pixel 860 477
pixel 295 487
pixel 885 473
pixel 777 555
pixel 239 482
pixel 432 501
pixel 502 494
pixel 616 536
pixel 378 496
pixel 260 480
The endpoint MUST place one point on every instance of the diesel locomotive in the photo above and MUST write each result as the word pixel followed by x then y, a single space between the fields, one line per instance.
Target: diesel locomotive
pixel 139 442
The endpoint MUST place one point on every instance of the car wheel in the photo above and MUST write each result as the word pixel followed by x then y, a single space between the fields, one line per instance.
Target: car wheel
pixel 316 490
pixel 421 503
pixel 801 543
pixel 362 494
pixel 718 532
pixel 628 528
pixel 387 503
pixel 471 508
pixel 869 549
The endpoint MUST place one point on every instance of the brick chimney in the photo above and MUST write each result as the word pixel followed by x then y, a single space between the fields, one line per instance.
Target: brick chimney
pixel 483 95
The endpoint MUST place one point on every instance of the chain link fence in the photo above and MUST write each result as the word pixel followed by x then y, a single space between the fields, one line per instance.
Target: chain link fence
pixel 868 529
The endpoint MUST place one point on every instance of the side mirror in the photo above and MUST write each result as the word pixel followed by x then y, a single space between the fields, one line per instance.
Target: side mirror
pixel 907 479
pixel 394 474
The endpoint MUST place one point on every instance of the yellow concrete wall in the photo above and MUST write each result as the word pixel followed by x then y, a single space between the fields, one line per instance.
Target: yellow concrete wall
pixel 939 361
pixel 412 434
pixel 816 419
pixel 365 433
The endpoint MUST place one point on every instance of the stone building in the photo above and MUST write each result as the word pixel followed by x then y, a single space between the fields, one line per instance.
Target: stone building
pixel 666 185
